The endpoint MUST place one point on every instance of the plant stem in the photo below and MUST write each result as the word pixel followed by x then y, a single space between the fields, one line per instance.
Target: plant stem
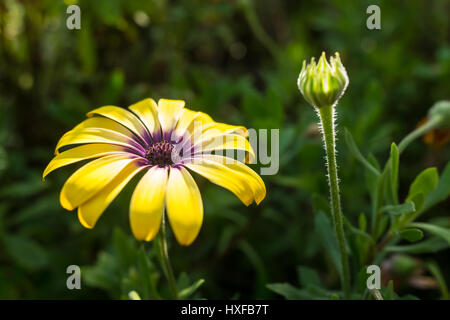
pixel 327 120
pixel 429 125
pixel 167 267
pixel 256 27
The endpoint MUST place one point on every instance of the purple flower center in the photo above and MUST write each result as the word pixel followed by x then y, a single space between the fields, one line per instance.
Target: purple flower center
pixel 159 153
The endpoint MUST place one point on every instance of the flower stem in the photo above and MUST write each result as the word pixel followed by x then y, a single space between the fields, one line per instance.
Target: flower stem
pixel 165 263
pixel 327 120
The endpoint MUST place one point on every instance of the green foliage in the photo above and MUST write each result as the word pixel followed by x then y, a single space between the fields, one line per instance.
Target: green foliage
pixel 238 61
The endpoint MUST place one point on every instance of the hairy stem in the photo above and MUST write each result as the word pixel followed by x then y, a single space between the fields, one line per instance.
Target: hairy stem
pixel 167 267
pixel 327 121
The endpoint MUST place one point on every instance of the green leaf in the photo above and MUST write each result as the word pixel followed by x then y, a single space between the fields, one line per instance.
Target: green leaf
pixel 444 233
pixel 290 292
pixel 400 209
pixel 431 245
pixel 328 238
pixel 442 191
pixel 419 201
pixel 125 248
pixel 146 271
pixel 38 209
pixel 308 276
pixel 362 221
pixel 424 184
pixel 389 292
pixel 356 153
pixel 105 274
pixel 187 292
pixel 395 155
pixel 412 235
pixel 433 267
pixel 26 252
pixel 371 178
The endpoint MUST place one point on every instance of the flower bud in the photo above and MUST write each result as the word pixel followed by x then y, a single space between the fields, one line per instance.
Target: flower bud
pixel 441 110
pixel 321 84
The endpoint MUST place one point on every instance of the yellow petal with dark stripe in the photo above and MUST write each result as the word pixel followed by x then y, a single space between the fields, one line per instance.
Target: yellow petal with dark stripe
pixel 96 135
pixel 233 175
pixel 122 116
pixel 226 142
pixel 90 211
pixel 103 123
pixel 84 183
pixel 184 206
pixel 147 111
pixel 189 119
pixel 80 153
pixel 147 204
pixel 169 111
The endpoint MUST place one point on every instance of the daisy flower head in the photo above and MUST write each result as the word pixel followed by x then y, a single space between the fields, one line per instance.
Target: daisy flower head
pixel 163 140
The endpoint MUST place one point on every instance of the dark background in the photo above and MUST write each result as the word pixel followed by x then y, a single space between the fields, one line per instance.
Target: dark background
pixel 239 62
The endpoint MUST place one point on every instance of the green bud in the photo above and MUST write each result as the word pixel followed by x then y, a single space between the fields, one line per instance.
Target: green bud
pixel 441 111
pixel 322 84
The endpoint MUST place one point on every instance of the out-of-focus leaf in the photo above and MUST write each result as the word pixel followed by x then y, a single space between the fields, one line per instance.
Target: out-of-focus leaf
pixel 371 177
pixel 411 234
pixel 362 221
pixel 26 252
pixel 41 207
pixel 400 209
pixel 22 189
pixel 434 244
pixel 308 276
pixel 389 293
pixel 433 267
pixel 104 274
pixel 434 230
pixel 125 248
pixel 442 190
pixel 424 183
pixel 147 274
pixel 395 155
pixel 356 153
pixel 328 238
pixel 187 292
pixel 290 292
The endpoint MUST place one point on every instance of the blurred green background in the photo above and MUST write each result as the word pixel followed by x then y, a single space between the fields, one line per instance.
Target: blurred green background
pixel 239 62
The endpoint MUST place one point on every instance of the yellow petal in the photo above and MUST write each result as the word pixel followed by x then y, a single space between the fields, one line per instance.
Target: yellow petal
pixel 124 117
pixel 84 183
pixel 98 135
pixel 169 111
pixel 188 119
pixel 80 153
pixel 147 112
pixel 231 174
pixel 103 123
pixel 226 142
pixel 147 204
pixel 205 131
pixel 184 206
pixel 210 128
pixel 90 211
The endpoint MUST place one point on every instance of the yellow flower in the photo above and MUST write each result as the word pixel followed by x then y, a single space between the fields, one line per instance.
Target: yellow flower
pixel 164 140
